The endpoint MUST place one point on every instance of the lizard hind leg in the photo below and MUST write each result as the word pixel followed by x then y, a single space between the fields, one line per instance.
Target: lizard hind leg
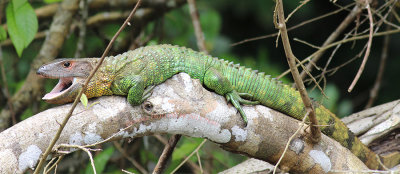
pixel 214 80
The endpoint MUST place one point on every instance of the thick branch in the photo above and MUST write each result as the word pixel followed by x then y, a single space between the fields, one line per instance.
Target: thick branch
pixel 179 106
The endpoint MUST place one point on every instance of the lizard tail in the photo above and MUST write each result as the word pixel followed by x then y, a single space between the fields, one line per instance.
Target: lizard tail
pixel 272 93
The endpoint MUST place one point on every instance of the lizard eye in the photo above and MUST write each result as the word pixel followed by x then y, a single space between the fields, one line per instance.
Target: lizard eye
pixel 66 64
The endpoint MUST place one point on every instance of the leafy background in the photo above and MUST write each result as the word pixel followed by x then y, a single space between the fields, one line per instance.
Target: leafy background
pixel 224 22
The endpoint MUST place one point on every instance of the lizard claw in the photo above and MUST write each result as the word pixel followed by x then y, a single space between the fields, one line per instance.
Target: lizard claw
pixel 147 92
pixel 148 89
pixel 248 102
pixel 245 95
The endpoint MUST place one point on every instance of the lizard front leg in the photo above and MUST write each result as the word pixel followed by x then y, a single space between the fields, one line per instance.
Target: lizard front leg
pixel 214 80
pixel 135 88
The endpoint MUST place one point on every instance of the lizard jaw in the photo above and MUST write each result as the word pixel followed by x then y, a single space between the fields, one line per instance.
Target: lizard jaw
pixel 62 90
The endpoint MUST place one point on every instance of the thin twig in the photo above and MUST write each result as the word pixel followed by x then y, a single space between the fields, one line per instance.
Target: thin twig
pixel 396 16
pixel 194 14
pixel 334 35
pixel 199 160
pixel 302 3
pixel 334 69
pixel 315 131
pixel 291 28
pixel 82 28
pixel 165 142
pixel 312 78
pixel 48 164
pixel 306 43
pixel 166 154
pixel 53 166
pixel 307 59
pixel 125 171
pixel 324 71
pixel 53 142
pixel 275 20
pixel 87 150
pixel 375 90
pixel 132 160
pixel 378 24
pixel 187 158
pixel 371 32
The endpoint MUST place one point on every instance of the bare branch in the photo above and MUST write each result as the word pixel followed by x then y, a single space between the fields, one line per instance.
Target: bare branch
pixel 194 14
pixel 176 110
pixel 369 43
pixel 132 160
pixel 334 35
pixel 375 89
pixel 292 28
pixel 166 154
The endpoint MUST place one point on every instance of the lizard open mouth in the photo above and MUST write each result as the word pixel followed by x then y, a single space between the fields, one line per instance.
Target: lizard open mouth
pixel 62 86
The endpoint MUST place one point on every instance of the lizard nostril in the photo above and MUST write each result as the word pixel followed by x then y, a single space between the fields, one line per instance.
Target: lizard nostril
pixel 39 71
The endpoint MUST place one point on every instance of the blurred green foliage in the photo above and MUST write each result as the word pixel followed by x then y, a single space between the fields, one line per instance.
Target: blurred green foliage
pixel 22 24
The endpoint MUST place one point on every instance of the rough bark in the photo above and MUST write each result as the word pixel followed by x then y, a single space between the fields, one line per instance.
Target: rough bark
pixel 375 122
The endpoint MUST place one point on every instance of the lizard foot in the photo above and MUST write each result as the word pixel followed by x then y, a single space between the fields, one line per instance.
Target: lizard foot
pixel 235 98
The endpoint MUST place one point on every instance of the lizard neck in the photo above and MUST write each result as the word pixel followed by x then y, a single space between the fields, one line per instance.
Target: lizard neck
pixel 100 84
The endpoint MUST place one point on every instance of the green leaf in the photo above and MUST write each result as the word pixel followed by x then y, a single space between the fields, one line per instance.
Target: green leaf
pixel 22 24
pixel 18 4
pixel 100 161
pixel 3 34
pixel 84 100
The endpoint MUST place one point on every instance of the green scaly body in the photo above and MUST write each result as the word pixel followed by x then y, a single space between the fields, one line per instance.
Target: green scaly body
pixel 131 72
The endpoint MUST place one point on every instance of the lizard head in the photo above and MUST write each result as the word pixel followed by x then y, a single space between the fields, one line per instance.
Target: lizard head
pixel 71 73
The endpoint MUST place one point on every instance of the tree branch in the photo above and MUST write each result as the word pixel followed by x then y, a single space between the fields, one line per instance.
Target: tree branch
pixel 179 106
